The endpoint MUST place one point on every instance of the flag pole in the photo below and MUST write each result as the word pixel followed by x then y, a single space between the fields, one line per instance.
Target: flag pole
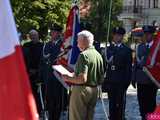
pixel 109 21
pixel 105 52
pixel 109 24
pixel 74 2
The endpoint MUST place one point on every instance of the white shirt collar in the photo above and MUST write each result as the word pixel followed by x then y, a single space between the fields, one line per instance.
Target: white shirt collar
pixel 150 43
pixel 118 45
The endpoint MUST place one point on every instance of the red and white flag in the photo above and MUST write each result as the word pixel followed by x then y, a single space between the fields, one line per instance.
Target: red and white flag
pixel 16 99
pixel 152 67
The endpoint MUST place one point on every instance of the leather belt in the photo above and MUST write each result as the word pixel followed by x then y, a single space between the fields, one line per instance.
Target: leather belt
pixel 116 68
pixel 113 67
pixel 85 85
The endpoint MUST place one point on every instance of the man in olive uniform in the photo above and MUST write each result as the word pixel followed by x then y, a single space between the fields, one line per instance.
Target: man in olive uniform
pixel 118 60
pixel 88 75
pixel 146 89
pixel 54 89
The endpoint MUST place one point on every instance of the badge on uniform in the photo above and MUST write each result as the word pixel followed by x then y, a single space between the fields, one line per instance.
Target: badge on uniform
pixel 113 67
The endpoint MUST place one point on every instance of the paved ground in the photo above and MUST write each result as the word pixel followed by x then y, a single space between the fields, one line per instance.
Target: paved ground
pixel 132 110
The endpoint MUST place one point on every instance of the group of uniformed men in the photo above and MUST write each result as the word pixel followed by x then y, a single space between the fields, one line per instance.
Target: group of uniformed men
pixel 118 65
pixel 119 70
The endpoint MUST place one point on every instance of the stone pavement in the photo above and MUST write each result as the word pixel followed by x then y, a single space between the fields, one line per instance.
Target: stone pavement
pixel 132 110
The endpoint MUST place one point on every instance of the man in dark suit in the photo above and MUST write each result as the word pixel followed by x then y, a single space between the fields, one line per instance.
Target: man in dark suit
pixel 146 89
pixel 118 74
pixel 32 51
pixel 54 89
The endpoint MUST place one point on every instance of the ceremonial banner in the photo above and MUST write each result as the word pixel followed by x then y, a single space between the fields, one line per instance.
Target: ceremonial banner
pixel 70 37
pixel 152 67
pixel 16 99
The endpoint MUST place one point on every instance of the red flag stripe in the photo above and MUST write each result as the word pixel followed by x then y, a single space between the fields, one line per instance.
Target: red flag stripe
pixel 17 101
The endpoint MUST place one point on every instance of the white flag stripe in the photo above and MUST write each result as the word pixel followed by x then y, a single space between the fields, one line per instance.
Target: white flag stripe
pixel 8 33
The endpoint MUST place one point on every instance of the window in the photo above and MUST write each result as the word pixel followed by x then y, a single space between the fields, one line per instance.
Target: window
pixel 149 3
pixel 155 3
pixel 136 2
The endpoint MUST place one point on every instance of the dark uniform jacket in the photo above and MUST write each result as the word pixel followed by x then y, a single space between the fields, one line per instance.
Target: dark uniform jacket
pixel 55 89
pixel 32 53
pixel 118 64
pixel 141 58
pixel 48 58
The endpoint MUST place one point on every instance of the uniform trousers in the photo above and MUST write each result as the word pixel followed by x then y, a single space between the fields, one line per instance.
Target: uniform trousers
pixel 36 97
pixel 55 99
pixel 146 94
pixel 117 101
pixel 34 85
pixel 82 102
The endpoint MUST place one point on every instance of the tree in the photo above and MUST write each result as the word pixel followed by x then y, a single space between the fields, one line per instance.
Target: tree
pixel 98 16
pixel 39 14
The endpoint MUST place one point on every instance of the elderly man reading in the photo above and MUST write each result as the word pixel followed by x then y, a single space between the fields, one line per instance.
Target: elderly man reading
pixel 88 75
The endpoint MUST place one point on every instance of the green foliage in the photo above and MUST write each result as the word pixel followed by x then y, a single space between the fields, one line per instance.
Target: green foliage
pixel 100 15
pixel 40 14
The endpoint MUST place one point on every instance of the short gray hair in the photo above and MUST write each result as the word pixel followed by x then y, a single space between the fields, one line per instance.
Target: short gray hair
pixel 88 35
pixel 33 31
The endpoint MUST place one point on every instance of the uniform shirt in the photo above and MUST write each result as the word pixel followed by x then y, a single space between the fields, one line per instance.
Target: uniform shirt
pixel 141 58
pixel 90 62
pixel 119 68
pixel 50 52
pixel 53 50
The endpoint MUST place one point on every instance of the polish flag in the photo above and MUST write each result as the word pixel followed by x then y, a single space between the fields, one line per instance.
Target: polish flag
pixel 16 99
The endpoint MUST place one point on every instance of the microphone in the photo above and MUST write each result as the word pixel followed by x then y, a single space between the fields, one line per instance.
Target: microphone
pixel 65 51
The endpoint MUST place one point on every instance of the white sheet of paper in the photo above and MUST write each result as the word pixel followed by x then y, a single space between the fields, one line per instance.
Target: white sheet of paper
pixel 62 70
pixel 65 85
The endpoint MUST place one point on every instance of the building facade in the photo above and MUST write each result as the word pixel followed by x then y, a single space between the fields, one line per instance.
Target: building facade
pixel 137 13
